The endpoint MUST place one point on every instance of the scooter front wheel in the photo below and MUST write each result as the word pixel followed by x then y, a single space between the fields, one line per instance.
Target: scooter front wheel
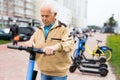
pixel 108 54
pixel 103 65
pixel 103 71
pixel 72 68
pixel 102 59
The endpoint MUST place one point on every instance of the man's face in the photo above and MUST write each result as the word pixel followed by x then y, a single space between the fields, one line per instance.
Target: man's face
pixel 47 16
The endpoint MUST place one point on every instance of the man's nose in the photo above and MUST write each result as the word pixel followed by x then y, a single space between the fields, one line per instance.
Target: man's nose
pixel 44 18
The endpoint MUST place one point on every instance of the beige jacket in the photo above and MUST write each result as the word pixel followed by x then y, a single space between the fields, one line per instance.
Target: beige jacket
pixel 58 64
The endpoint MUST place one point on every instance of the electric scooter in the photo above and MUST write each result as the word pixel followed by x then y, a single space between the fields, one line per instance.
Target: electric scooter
pixel 81 48
pixel 78 63
pixel 103 71
pixel 31 73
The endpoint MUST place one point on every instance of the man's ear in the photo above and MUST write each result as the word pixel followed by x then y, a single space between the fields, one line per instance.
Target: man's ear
pixel 55 14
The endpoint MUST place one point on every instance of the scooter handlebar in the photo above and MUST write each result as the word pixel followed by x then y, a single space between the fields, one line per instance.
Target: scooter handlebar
pixel 29 49
pixel 83 36
pixel 13 47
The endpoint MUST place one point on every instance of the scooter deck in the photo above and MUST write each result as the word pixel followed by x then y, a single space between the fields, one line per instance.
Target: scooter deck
pixel 91 61
pixel 96 66
pixel 88 70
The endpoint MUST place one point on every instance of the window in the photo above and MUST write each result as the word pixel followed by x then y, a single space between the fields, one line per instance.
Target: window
pixel 30 6
pixel 29 12
pixel 18 2
pixel 19 10
pixel 30 0
pixel 4 0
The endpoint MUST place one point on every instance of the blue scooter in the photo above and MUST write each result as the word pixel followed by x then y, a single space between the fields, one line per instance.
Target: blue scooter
pixel 31 73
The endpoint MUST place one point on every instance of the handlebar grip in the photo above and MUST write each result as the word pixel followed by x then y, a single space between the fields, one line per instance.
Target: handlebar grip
pixel 29 49
pixel 12 47
pixel 38 50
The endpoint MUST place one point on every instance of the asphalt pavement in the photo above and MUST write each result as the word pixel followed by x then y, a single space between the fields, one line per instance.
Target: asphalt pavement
pixel 14 63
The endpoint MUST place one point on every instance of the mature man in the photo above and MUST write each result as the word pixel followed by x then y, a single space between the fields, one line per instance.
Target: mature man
pixel 52 36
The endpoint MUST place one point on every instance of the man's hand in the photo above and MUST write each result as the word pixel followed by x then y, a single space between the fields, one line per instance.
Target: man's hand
pixel 50 50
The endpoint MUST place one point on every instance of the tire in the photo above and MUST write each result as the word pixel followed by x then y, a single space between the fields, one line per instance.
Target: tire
pixel 72 68
pixel 102 60
pixel 103 71
pixel 108 54
pixel 103 65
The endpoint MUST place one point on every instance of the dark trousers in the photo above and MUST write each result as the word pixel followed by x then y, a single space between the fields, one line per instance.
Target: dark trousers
pixel 13 41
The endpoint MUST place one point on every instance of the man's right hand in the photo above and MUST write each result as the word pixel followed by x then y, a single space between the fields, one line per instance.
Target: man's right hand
pixel 49 50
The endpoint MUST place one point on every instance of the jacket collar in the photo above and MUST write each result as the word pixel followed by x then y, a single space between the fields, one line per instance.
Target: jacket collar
pixel 56 24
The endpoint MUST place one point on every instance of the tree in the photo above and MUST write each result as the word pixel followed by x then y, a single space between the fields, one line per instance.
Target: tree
pixel 112 22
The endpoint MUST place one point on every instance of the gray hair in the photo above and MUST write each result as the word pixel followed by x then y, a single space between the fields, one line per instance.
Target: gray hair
pixel 52 6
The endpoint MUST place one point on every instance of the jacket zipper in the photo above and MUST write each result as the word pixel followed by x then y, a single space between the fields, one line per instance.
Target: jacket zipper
pixel 47 35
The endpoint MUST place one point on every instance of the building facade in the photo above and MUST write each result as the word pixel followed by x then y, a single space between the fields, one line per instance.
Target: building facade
pixel 72 12
pixel 23 11
pixel 78 10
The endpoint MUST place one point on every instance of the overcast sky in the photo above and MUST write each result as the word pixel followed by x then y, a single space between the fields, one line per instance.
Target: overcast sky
pixel 100 10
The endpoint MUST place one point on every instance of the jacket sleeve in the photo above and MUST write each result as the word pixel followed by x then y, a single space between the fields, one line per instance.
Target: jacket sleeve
pixel 67 43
